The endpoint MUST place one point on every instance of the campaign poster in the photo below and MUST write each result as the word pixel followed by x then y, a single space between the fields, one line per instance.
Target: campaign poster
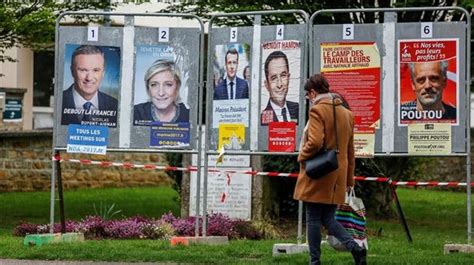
pixel 231 71
pixel 281 137
pixel 429 139
pixel 160 86
pixel 166 134
pixel 231 136
pixel 91 85
pixel 428 82
pixel 353 70
pixel 281 81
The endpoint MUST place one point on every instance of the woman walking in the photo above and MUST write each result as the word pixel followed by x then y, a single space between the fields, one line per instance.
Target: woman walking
pixel 321 196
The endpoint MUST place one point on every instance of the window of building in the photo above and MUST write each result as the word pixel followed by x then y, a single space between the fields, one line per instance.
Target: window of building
pixel 43 76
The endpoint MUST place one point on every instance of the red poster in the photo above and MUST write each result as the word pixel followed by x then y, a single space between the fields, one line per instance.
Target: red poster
pixel 281 136
pixel 428 81
pixel 353 70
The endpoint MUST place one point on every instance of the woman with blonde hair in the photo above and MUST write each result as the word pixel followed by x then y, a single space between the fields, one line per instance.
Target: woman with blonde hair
pixel 162 82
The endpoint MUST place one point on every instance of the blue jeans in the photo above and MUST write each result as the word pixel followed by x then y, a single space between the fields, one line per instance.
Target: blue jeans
pixel 317 214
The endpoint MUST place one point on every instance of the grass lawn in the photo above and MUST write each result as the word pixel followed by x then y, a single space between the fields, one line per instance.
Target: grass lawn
pixel 434 217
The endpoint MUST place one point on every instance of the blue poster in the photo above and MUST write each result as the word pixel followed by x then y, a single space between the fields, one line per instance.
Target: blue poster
pixel 87 139
pixel 165 134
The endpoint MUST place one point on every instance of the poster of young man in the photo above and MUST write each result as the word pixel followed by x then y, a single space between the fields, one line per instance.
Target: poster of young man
pixel 353 70
pixel 91 85
pixel 280 81
pixel 428 84
pixel 159 89
pixel 231 88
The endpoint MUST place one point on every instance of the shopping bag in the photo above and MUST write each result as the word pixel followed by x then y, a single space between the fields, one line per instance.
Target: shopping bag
pixel 351 215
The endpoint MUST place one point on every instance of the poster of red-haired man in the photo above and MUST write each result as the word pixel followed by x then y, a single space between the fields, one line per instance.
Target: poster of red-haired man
pixel 428 84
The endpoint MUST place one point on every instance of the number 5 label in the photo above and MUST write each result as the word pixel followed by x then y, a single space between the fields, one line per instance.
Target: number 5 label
pixel 427 30
pixel 93 33
pixel 164 34
pixel 233 34
pixel 348 31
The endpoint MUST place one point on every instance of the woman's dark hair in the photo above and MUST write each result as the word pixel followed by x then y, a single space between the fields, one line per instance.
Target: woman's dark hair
pixel 317 82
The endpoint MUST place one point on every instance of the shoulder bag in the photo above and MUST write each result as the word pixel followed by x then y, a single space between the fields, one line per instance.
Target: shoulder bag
pixel 325 161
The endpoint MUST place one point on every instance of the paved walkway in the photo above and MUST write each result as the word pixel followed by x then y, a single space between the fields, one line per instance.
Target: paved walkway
pixel 45 262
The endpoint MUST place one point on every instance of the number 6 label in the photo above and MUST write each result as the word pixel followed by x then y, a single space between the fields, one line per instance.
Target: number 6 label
pixel 164 34
pixel 426 30
pixel 93 33
pixel 348 31
pixel 233 34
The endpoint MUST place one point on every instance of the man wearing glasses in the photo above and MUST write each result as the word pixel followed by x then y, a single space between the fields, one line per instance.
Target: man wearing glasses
pixel 277 78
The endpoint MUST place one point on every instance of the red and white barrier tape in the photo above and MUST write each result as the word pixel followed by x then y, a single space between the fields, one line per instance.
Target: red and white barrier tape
pixel 254 173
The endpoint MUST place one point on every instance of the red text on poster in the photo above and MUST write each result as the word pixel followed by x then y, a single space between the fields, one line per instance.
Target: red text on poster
pixel 281 136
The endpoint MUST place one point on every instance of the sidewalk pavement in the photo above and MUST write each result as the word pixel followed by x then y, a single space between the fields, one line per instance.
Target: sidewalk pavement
pixel 55 262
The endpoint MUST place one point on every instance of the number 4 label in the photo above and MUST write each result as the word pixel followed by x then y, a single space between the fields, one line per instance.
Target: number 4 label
pixel 164 34
pixel 280 32
pixel 427 30
pixel 348 31
pixel 93 33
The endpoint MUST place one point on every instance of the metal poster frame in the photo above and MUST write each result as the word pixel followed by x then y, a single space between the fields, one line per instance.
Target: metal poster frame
pixel 56 166
pixel 252 151
pixel 466 82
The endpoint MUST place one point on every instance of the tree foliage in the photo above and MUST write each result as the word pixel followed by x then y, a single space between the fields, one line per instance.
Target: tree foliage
pixel 32 23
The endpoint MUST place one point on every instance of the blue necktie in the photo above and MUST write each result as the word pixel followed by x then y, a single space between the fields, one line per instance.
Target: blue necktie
pixel 231 96
pixel 87 106
pixel 283 113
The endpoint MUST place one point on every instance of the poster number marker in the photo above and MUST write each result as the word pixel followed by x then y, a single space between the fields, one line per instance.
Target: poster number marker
pixel 93 33
pixel 427 30
pixel 280 32
pixel 233 34
pixel 348 31
pixel 164 34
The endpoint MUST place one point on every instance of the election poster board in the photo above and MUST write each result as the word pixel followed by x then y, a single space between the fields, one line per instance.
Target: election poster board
pixel 91 85
pixel 353 70
pixel 428 82
pixel 231 85
pixel 280 84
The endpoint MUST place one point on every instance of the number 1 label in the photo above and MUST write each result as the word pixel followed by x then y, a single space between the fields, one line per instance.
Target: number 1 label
pixel 164 34
pixel 93 33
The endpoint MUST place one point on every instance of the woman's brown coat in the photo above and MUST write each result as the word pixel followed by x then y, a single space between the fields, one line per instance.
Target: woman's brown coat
pixel 329 189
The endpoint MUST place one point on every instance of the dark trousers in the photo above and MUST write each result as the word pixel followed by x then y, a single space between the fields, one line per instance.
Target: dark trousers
pixel 317 214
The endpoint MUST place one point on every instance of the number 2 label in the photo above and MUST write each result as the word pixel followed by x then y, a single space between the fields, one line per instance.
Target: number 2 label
pixel 164 34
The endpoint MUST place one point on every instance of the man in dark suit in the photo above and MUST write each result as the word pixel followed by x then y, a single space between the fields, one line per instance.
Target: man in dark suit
pixel 83 103
pixel 277 79
pixel 429 79
pixel 232 87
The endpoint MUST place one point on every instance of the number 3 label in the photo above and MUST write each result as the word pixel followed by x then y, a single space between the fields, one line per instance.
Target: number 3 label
pixel 93 33
pixel 348 31
pixel 427 30
pixel 164 34
pixel 233 34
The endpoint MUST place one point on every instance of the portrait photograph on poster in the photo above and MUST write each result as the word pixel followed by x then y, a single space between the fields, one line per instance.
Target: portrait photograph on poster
pixel 428 81
pixel 91 85
pixel 280 83
pixel 159 86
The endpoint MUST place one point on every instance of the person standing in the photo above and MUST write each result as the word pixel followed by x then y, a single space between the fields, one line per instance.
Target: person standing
pixel 321 196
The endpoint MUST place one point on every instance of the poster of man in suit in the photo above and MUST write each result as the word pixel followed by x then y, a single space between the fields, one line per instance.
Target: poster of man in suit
pixel 91 85
pixel 280 81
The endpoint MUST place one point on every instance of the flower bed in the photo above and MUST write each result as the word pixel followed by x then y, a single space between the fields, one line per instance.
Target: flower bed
pixel 95 227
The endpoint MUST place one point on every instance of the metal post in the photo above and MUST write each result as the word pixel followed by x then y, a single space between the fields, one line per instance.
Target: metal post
pixel 55 164
pixel 299 236
pixel 401 216
pixel 61 197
